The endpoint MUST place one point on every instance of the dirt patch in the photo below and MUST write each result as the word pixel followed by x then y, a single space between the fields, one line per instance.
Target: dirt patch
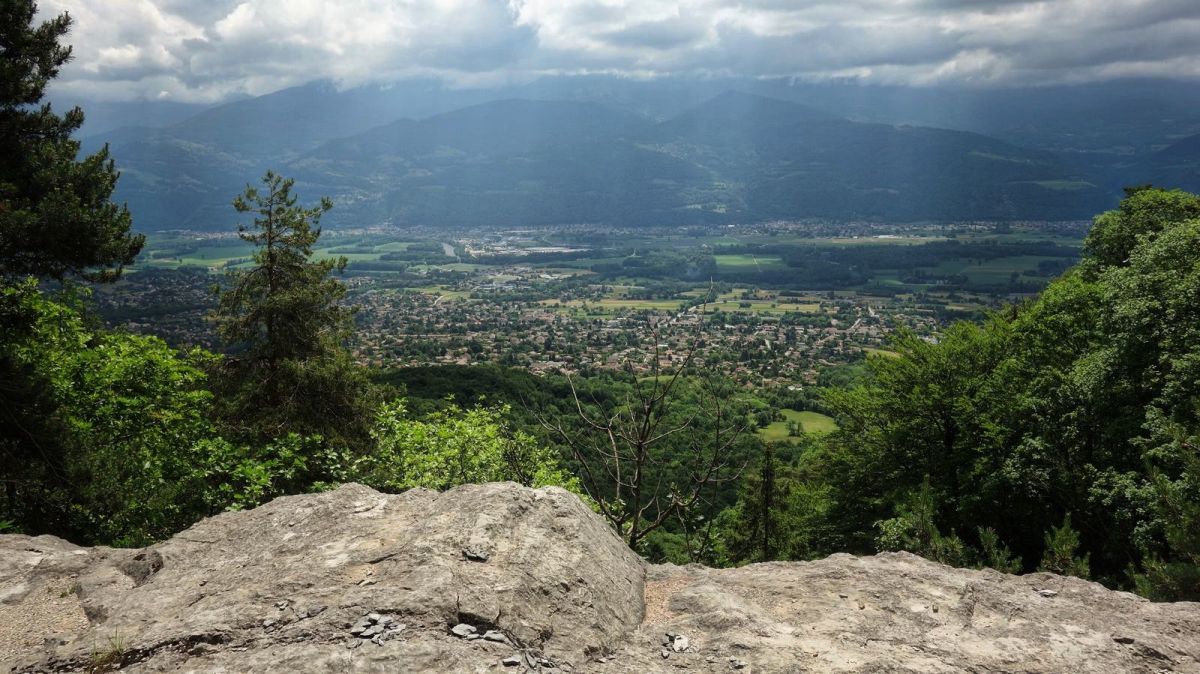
pixel 658 598
pixel 47 611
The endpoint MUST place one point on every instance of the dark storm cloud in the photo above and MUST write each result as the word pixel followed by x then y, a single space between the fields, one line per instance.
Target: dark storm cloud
pixel 187 50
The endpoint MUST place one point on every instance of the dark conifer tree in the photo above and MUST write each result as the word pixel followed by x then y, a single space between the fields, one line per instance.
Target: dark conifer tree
pixel 56 217
pixel 282 319
pixel 56 220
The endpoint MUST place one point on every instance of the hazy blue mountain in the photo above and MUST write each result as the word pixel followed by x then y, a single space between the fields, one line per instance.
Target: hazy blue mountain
pixel 104 117
pixel 500 163
pixel 286 122
pixel 171 183
pixel 1177 165
pixel 1114 118
pixel 825 166
pixel 661 151
pixel 735 157
pixel 184 174
pixel 736 119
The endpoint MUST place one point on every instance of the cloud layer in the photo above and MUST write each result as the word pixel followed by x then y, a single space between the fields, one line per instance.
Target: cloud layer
pixel 211 50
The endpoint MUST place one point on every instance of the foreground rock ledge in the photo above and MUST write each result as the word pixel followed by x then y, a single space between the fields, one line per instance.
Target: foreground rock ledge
pixel 499 577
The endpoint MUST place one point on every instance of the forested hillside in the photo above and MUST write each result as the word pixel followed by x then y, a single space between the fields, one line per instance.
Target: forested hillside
pixel 1075 415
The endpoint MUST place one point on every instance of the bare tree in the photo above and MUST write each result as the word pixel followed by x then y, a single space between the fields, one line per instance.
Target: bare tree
pixel 619 447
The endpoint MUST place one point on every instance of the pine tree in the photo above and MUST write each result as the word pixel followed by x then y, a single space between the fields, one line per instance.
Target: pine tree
pixel 766 503
pixel 285 327
pixel 754 532
pixel 285 306
pixel 1061 552
pixel 56 217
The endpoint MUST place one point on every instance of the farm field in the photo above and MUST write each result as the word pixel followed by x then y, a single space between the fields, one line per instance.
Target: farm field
pixel 748 262
pixel 810 422
pixel 995 271
pixel 614 304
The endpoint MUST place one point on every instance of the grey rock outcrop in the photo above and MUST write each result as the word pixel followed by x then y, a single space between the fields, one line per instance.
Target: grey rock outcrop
pixel 498 577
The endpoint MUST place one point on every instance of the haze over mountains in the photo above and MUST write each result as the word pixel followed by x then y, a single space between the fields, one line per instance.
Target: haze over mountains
pixel 628 152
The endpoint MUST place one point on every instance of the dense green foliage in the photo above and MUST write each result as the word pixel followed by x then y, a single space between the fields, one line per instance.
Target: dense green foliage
pixel 1063 428
pixel 456 446
pixel 106 430
pixel 55 215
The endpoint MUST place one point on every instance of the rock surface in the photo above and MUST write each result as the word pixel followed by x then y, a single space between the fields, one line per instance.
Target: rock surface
pixel 355 580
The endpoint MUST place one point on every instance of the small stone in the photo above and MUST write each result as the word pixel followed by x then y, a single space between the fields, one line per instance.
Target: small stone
pixel 861 606
pixel 1123 639
pixel 476 554
pixel 495 635
pixel 1048 593
pixel 680 644
pixel 737 664
pixel 666 654
pixel 843 596
pixel 268 622
pixel 462 630
pixel 358 630
pixel 367 581
pixel 371 631
pixel 353 643
pixel 373 617
pixel 473 637
pixel 384 620
pixel 511 661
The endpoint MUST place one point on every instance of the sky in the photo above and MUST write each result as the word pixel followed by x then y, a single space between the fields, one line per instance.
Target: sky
pixel 212 50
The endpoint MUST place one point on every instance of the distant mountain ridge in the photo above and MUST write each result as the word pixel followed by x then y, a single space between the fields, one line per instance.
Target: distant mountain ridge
pixel 735 157
pixel 1177 165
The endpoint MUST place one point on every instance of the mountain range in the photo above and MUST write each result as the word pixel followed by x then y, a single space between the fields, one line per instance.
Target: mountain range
pixel 609 151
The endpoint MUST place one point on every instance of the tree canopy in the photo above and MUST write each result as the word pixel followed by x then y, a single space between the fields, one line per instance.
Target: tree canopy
pixel 1065 427
pixel 56 216
pixel 285 326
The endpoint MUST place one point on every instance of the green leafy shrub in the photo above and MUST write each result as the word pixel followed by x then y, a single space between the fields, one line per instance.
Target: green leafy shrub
pixel 455 446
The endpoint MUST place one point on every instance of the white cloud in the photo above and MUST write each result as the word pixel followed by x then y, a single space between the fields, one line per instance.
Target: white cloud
pixel 204 51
